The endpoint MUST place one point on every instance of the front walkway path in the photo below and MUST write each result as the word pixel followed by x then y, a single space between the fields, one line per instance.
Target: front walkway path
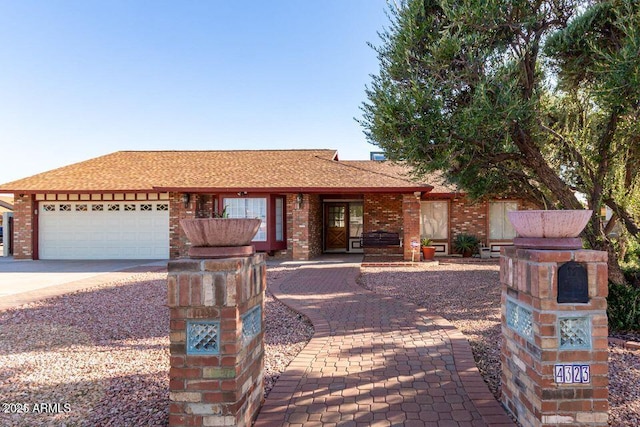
pixel 374 361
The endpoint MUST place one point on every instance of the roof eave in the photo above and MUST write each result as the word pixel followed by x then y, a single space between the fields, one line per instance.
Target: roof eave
pixel 311 190
pixel 296 189
pixel 77 191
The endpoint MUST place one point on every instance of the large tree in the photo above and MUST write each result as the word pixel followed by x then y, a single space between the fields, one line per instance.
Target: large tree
pixel 535 99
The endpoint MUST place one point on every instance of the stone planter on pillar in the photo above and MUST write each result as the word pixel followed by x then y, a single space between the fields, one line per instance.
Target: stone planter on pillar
pixel 220 237
pixel 554 325
pixel 216 340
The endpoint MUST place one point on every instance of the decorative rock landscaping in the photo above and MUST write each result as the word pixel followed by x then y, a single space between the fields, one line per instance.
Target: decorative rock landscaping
pixel 104 351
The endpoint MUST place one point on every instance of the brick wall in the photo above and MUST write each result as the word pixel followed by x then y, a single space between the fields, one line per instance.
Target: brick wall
pixel 223 389
pixel 23 222
pixel 532 339
pixel 304 227
pixel 178 242
pixel 468 218
pixel 411 215
pixel 383 212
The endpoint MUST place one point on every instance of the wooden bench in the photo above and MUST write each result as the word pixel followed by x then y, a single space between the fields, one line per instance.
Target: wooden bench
pixel 377 239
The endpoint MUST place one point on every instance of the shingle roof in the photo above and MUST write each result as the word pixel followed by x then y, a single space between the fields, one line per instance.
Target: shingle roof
pixel 436 180
pixel 245 170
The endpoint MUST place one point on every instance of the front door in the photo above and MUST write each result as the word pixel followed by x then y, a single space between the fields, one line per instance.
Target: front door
pixel 336 226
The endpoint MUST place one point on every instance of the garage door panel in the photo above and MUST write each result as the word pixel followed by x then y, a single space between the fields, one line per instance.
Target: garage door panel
pixel 104 231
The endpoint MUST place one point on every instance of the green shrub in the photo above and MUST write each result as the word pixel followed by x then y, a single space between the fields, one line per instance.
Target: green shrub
pixel 632 275
pixel 623 308
pixel 466 243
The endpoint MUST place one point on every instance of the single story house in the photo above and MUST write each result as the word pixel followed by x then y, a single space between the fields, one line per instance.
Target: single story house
pixel 128 205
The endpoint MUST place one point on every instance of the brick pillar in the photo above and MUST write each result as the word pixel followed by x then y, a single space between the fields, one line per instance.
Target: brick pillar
pixel 411 226
pixel 554 354
pixel 24 221
pixel 216 336
pixel 178 243
pixel 301 232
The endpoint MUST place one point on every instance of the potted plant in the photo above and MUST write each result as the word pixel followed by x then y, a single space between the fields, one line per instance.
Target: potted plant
pixel 428 251
pixel 466 244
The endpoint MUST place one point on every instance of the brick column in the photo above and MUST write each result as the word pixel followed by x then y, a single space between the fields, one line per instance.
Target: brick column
pixel 24 221
pixel 411 225
pixel 178 243
pixel 298 236
pixel 554 354
pixel 216 336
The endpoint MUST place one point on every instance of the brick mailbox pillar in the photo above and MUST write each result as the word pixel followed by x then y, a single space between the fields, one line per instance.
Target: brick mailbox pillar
pixel 217 347
pixel 554 330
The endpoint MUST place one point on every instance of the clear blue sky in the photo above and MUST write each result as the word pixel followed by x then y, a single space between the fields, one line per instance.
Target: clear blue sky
pixel 83 78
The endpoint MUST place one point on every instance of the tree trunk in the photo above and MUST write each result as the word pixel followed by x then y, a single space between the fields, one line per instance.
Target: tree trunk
pixel 598 241
pixel 615 272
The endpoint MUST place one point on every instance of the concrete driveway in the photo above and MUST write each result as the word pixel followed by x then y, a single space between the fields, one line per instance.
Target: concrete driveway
pixel 23 281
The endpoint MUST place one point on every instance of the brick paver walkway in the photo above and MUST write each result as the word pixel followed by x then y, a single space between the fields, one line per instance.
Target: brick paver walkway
pixel 374 361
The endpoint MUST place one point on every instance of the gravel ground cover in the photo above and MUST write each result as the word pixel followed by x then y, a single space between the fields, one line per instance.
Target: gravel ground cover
pixel 468 295
pixel 100 357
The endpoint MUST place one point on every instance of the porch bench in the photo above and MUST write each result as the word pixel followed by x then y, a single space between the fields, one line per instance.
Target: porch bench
pixel 377 239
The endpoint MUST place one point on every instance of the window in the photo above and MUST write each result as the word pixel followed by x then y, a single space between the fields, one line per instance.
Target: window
pixel 434 219
pixel 279 219
pixel 249 208
pixel 500 227
pixel 335 216
pixel 356 219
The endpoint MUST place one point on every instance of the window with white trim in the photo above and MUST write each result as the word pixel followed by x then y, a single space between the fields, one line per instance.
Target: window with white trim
pixel 249 208
pixel 434 219
pixel 500 227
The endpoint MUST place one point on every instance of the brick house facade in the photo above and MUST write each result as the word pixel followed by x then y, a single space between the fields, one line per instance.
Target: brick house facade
pixel 310 202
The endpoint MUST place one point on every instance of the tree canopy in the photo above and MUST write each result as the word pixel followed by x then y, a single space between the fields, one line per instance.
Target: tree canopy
pixel 534 99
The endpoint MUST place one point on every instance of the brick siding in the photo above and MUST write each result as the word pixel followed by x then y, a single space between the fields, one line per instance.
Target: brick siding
pixel 23 222
pixel 411 211
pixel 383 212
pixel 178 242
pixel 304 227
pixel 468 218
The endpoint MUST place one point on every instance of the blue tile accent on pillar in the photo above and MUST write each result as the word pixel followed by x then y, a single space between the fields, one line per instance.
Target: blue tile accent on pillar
pixel 203 337
pixel 520 319
pixel 251 324
pixel 575 333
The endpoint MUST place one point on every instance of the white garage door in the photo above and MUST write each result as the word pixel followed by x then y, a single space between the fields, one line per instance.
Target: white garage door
pixel 103 230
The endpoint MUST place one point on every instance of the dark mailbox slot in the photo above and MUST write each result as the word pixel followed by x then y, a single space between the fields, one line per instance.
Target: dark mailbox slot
pixel 573 286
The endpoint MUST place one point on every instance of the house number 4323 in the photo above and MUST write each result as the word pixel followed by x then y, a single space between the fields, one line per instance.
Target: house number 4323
pixel 572 374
